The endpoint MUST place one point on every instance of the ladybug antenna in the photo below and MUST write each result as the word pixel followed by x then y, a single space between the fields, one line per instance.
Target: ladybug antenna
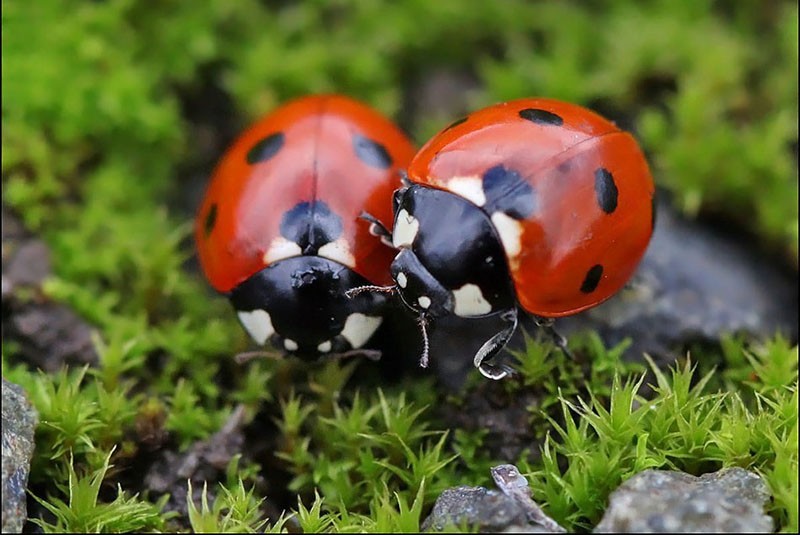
pixel 422 321
pixel 352 292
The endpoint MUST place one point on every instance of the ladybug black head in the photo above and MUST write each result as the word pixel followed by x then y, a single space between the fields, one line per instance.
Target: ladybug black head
pixel 299 305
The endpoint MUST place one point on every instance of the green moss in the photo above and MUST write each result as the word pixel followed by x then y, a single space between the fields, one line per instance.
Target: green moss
pixel 84 513
pixel 100 125
pixel 687 425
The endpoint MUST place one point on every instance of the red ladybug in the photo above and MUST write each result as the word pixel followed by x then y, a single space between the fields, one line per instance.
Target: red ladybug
pixel 533 203
pixel 279 231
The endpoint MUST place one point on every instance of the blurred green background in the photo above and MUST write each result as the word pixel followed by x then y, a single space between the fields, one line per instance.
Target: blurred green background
pixel 709 87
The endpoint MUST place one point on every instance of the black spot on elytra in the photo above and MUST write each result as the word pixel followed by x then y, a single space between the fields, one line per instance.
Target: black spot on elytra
pixel 592 279
pixel 606 190
pixel 266 148
pixel 211 220
pixel 371 152
pixel 311 225
pixel 456 123
pixel 543 117
pixel 564 167
pixel 507 191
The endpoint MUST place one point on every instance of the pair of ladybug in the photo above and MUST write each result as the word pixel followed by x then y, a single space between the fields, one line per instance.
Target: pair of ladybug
pixel 533 203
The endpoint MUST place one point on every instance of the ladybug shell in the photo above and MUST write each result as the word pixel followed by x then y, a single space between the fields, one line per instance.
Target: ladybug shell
pixel 324 150
pixel 570 196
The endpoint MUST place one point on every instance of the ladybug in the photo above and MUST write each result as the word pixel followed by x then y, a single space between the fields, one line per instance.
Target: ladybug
pixel 279 233
pixel 534 204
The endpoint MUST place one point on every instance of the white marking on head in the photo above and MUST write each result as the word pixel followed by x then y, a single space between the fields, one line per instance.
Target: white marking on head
pixel 358 328
pixel 402 280
pixel 258 325
pixel 510 232
pixel 290 345
pixel 325 347
pixel 338 251
pixel 469 301
pixel 469 187
pixel 405 230
pixel 281 248
pixel 424 301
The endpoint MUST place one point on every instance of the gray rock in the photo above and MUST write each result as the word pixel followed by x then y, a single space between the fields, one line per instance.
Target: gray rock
pixel 658 501
pixel 489 510
pixel 19 422
pixel 510 510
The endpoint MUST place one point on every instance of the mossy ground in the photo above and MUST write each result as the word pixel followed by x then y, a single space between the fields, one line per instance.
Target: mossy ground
pixel 113 115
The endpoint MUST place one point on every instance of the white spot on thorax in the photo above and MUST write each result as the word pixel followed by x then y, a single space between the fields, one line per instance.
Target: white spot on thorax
pixel 281 248
pixel 402 280
pixel 424 301
pixel 324 347
pixel 338 251
pixel 358 328
pixel 469 187
pixel 258 325
pixel 405 230
pixel 469 301
pixel 510 232
pixel 290 345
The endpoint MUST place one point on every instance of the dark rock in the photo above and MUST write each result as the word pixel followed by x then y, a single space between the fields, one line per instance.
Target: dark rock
pixel 26 260
pixel 657 501
pixel 48 334
pixel 51 335
pixel 205 462
pixel 29 265
pixel 19 423
pixel 693 285
pixel 509 510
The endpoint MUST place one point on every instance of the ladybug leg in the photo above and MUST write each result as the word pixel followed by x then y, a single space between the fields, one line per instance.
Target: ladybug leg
pixel 558 339
pixel 247 356
pixel 493 345
pixel 376 228
pixel 369 354
pixel 404 178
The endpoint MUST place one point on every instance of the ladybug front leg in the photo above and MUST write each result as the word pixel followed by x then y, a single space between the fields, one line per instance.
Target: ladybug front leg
pixel 493 345
pixel 246 356
pixel 376 228
pixel 370 354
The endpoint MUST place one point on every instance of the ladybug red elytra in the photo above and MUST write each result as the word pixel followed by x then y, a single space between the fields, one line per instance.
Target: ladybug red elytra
pixel 279 231
pixel 533 203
